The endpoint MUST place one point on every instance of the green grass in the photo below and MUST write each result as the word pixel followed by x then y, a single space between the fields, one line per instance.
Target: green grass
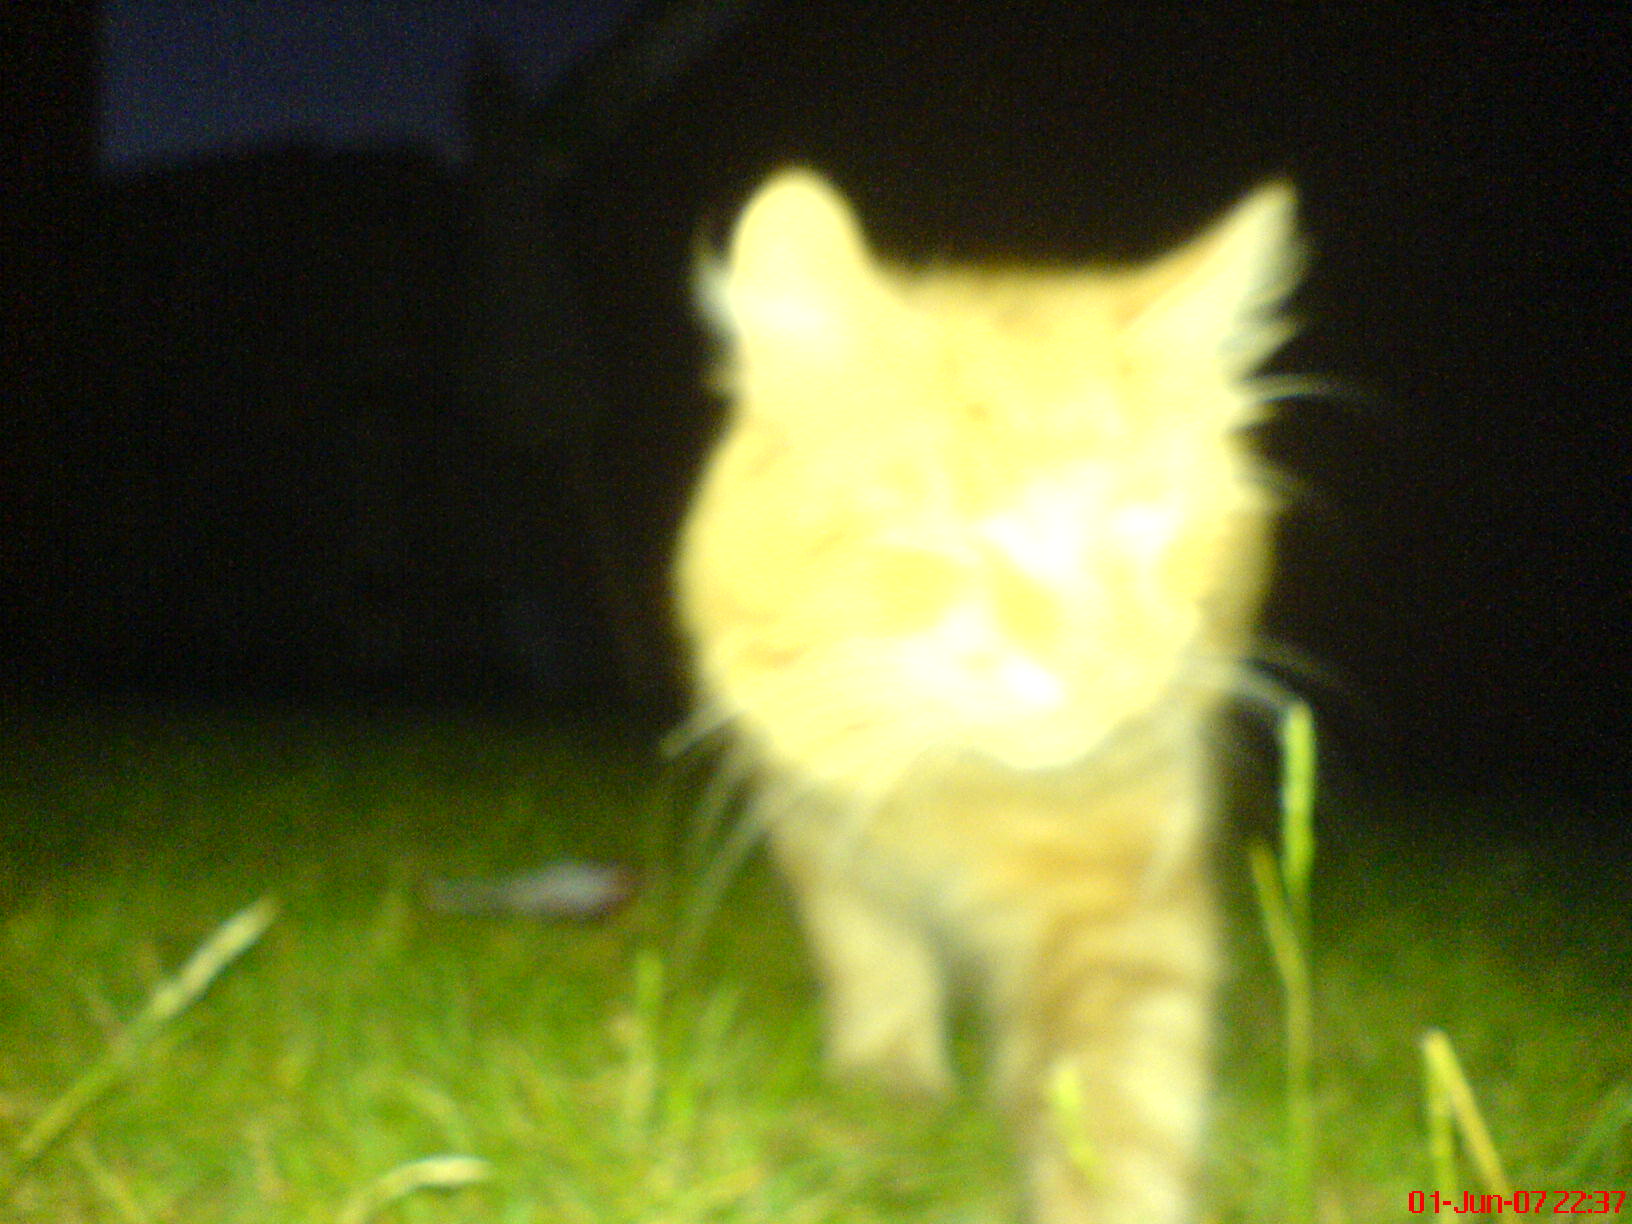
pixel 1281 886
pixel 596 1081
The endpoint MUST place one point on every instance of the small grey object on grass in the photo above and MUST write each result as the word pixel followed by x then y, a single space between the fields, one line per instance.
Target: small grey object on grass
pixel 567 888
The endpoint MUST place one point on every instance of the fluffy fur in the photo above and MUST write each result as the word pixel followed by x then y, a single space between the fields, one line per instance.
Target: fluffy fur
pixel 967 575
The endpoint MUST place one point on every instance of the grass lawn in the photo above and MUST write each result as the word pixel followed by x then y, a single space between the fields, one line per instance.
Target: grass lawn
pixel 598 1075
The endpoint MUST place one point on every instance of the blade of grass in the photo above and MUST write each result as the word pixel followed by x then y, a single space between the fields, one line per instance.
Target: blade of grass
pixel 169 999
pixel 431 1173
pixel 1298 812
pixel 701 905
pixel 1068 1103
pixel 717 836
pixel 1613 1119
pixel 1283 903
pixel 1441 1128
pixel 1451 1098
pixel 119 1198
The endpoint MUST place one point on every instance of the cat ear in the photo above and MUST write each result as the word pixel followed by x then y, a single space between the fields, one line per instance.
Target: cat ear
pixel 795 271
pixel 1223 292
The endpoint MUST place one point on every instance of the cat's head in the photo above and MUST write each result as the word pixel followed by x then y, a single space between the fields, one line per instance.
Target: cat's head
pixel 1004 512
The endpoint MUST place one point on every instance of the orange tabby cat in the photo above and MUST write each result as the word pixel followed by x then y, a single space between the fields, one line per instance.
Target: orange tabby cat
pixel 968 574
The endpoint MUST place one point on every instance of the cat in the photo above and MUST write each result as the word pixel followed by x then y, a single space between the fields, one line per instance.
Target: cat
pixel 968 575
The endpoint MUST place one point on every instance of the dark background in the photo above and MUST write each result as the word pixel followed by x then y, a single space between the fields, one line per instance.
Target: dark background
pixel 307 419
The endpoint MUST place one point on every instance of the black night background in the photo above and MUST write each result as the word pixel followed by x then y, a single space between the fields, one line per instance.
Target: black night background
pixel 312 418
pixel 370 382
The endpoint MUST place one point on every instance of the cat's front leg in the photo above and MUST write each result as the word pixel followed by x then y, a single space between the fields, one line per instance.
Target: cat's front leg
pixel 883 987
pixel 1104 1064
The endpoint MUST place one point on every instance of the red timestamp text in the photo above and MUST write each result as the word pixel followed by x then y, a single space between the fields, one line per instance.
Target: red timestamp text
pixel 1519 1202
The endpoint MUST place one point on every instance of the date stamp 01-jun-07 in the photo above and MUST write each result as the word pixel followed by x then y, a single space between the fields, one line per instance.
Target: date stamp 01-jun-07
pixel 1519 1202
